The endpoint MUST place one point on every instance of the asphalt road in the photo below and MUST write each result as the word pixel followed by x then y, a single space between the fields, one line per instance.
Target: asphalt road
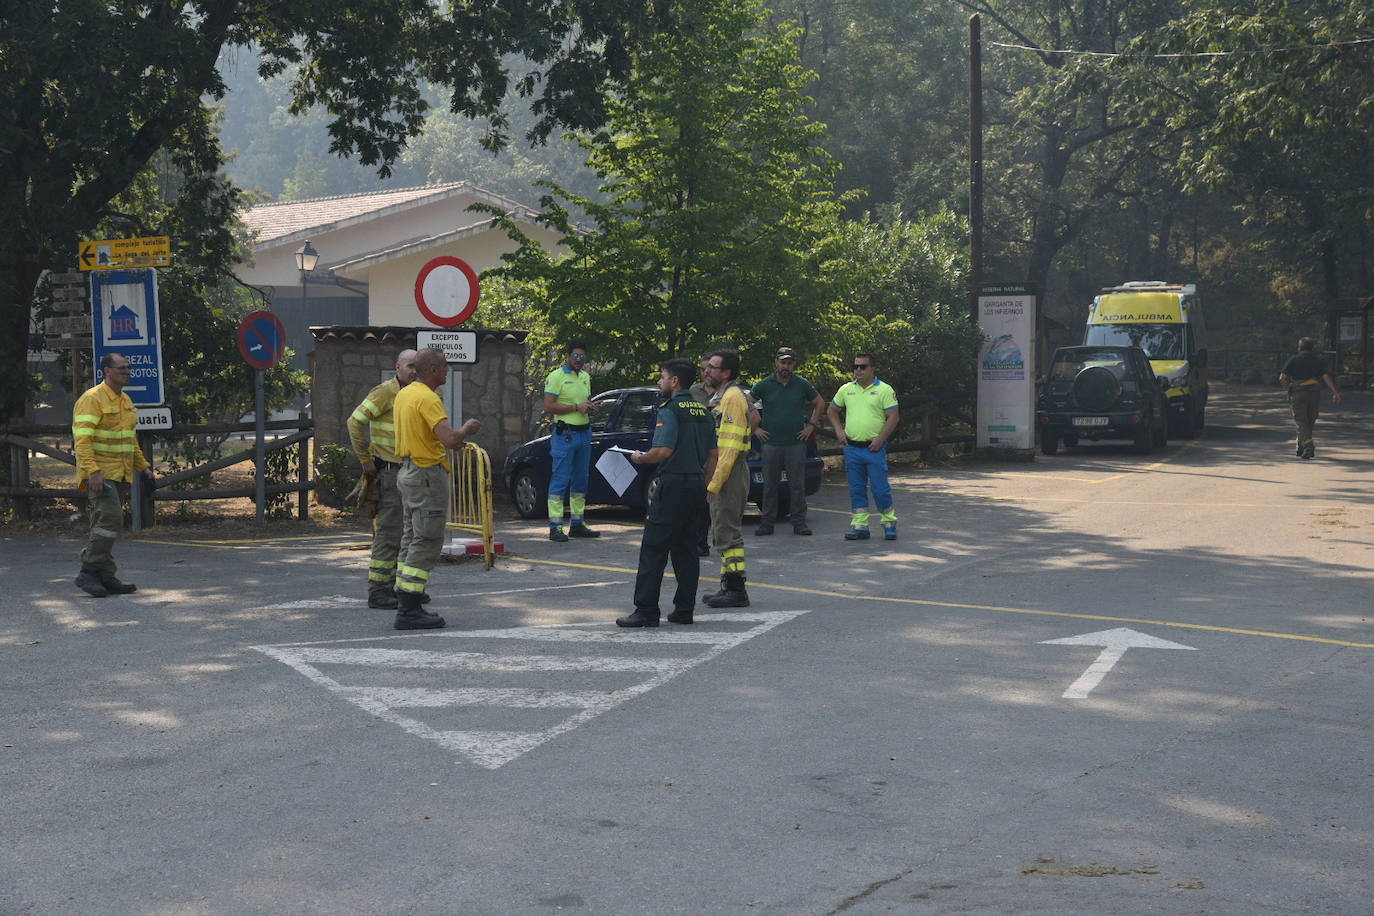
pixel 890 728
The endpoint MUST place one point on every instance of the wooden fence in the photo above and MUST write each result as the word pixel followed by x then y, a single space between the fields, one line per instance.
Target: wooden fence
pixel 21 441
pixel 929 412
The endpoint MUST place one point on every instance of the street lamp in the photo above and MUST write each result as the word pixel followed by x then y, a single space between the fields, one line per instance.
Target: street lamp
pixel 306 259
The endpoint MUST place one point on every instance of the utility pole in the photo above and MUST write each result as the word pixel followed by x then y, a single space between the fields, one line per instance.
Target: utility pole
pixel 975 162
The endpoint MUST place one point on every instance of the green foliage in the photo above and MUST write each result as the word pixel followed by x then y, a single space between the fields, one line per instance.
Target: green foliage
pixel 92 91
pixel 716 195
pixel 900 287
pixel 280 467
pixel 336 472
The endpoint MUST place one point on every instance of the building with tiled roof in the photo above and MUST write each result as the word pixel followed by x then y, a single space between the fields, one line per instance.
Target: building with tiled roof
pixel 373 247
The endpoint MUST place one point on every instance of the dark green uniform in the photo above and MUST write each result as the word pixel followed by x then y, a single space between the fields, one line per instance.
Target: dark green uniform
pixel 1306 371
pixel 678 514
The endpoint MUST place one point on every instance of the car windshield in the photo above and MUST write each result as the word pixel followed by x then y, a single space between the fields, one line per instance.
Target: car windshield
pixel 1068 364
pixel 1159 341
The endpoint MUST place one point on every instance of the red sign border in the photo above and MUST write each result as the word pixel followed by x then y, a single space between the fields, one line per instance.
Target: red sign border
pixel 247 321
pixel 466 312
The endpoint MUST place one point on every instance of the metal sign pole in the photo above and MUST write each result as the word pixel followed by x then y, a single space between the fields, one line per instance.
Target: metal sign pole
pixel 260 454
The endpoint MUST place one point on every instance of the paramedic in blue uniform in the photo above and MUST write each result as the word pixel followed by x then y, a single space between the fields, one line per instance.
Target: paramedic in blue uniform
pixel 567 398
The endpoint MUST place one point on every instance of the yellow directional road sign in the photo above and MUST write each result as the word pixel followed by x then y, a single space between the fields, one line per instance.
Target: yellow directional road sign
pixel 110 254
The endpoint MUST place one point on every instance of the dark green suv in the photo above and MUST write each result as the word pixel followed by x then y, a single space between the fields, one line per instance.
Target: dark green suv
pixel 1101 392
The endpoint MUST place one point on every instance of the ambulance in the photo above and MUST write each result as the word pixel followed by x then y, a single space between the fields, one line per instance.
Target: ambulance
pixel 1164 320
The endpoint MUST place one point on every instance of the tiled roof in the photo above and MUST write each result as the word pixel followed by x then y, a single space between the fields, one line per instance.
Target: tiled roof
pixel 285 219
pixel 395 334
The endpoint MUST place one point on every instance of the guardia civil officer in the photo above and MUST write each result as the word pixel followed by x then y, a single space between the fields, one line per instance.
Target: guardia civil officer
pixel 683 445
pixel 1303 375
pixel 372 430
pixel 107 457
pixel 422 435
pixel 567 398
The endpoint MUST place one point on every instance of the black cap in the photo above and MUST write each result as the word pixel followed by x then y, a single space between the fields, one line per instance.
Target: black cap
pixel 786 353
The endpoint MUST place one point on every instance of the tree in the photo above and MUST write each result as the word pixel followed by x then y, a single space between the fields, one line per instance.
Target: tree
pixel 717 193
pixel 1277 98
pixel 92 90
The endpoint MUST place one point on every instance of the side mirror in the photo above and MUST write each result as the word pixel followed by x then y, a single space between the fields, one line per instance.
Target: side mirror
pixel 1200 357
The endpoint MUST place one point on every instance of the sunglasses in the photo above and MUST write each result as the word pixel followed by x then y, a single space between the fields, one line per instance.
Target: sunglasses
pixel 577 356
pixel 863 366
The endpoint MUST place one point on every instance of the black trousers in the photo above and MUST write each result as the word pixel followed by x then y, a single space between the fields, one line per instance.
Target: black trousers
pixel 677 520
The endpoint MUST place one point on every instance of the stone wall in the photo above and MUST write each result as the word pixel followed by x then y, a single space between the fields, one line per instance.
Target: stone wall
pixel 348 362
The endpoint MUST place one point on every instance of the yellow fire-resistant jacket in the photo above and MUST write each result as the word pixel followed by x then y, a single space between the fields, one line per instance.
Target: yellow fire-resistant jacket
pixel 375 412
pixel 732 434
pixel 103 427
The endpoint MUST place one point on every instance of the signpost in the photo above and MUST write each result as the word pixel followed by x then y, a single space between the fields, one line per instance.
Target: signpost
pixel 113 254
pixel 446 291
pixel 69 296
pixel 1006 370
pixel 261 342
pixel 458 346
pixel 125 320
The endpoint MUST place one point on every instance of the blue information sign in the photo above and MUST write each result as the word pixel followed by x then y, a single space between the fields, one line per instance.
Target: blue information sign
pixel 125 319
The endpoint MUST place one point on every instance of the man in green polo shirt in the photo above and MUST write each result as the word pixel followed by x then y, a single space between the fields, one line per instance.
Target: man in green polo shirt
pixel 1303 375
pixel 789 408
pixel 870 416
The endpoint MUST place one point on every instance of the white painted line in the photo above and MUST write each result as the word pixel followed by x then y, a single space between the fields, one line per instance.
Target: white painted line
pixel 513 697
pixel 491 749
pixel 539 588
pixel 478 661
pixel 1115 643
pixel 674 635
pixel 322 602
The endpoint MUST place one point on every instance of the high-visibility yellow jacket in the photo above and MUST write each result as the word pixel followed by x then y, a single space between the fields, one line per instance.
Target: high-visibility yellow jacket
pixel 732 434
pixel 103 428
pixel 375 412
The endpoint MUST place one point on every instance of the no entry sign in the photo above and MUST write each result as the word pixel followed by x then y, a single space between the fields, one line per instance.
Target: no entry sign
pixel 446 291
pixel 261 339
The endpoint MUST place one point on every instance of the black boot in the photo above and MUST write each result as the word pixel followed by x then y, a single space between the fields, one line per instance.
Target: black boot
pixel 383 599
pixel 680 615
pixel 115 587
pixel 88 580
pixel 409 616
pixel 716 594
pixel 734 594
pixel 640 618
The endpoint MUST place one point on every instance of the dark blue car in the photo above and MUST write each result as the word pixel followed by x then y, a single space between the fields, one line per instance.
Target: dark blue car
pixel 627 420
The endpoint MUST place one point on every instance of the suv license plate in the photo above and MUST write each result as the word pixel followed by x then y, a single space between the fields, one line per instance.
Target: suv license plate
pixel 1089 421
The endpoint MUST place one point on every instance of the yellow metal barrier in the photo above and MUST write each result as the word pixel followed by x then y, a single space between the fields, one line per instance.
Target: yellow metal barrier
pixel 470 506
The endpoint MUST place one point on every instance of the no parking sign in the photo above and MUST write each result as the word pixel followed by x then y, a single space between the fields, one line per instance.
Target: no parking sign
pixel 261 339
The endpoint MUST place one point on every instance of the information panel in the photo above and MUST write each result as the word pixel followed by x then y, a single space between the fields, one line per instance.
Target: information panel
pixel 125 319
pixel 1006 368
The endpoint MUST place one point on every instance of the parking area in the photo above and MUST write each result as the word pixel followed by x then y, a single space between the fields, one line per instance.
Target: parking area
pixel 1101 682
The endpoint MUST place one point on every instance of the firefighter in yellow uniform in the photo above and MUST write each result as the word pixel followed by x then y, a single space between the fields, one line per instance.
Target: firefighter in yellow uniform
pixel 422 435
pixel 373 434
pixel 728 487
pixel 104 423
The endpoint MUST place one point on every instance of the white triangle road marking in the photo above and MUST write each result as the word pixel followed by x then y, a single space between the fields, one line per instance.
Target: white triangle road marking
pixel 495 748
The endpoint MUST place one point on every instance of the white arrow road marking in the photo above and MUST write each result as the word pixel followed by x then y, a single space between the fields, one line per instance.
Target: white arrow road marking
pixel 490 748
pixel 1115 643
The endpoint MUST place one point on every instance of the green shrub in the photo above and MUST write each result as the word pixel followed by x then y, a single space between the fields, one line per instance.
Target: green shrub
pixel 336 471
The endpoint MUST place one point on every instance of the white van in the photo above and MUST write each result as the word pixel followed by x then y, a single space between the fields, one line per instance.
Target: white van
pixel 1164 320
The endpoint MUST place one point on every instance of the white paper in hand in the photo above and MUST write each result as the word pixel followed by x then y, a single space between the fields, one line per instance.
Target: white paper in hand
pixel 617 469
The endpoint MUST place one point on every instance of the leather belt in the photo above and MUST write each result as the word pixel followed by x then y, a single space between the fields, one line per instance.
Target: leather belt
pixel 864 444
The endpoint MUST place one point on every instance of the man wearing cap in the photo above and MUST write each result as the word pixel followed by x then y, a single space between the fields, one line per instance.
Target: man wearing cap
pixel 789 409
pixel 728 487
pixel 870 416
pixel 567 398
pixel 1304 375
